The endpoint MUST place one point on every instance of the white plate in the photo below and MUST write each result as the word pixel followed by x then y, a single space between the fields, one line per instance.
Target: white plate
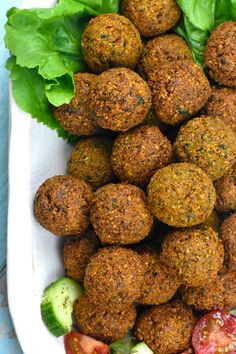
pixel 34 255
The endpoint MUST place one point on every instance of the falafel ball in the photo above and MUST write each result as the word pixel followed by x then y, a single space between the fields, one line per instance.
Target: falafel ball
pixel 77 253
pixel 121 99
pixel 208 143
pixel 62 204
pixel 107 323
pixel 110 40
pixel 151 17
pixel 114 276
pixel 219 56
pixel 180 89
pixel 228 237
pixel 138 153
pixel 222 104
pixel 214 221
pixel 119 214
pixel 159 285
pixel 226 191
pixel 91 161
pixel 194 254
pixel 217 295
pixel 77 117
pixel 181 195
pixel 161 50
pixel 166 328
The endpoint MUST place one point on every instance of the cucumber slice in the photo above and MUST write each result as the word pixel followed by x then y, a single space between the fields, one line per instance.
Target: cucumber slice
pixel 57 305
pixel 141 348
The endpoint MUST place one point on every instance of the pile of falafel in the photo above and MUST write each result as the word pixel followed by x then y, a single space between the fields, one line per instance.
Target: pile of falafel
pixel 150 191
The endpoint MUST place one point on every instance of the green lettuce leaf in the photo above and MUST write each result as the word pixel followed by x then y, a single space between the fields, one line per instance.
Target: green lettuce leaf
pixel 110 6
pixel 29 94
pixel 51 45
pixel 199 18
pixel 60 89
pixel 199 13
pixel 224 11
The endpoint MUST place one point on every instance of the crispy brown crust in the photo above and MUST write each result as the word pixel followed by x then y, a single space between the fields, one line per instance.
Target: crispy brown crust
pixel 151 17
pixel 111 40
pixel 152 326
pixel 138 153
pixel 77 253
pixel 220 55
pixel 62 205
pixel 228 237
pixel 161 50
pixel 120 99
pixel 218 295
pixel 77 117
pixel 209 143
pixel 91 161
pixel 222 104
pixel 105 323
pixel 114 276
pixel 194 254
pixel 226 191
pixel 119 214
pixel 159 285
pixel 180 90
pixel 181 195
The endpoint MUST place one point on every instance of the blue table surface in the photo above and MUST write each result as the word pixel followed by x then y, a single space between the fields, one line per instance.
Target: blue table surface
pixel 8 340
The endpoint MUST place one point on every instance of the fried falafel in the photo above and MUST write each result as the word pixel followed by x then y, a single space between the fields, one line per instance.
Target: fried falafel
pixel 138 153
pixel 166 328
pixel 208 143
pixel 180 89
pixel 121 99
pixel 219 56
pixel 91 161
pixel 107 323
pixel 151 17
pixel 114 276
pixel 61 205
pixel 110 40
pixel 194 254
pixel 119 214
pixel 181 195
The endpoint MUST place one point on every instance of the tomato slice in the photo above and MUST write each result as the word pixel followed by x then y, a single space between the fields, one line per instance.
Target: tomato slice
pixel 215 333
pixel 76 343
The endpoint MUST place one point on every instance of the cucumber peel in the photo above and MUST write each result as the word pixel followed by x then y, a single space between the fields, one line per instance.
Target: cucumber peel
pixel 57 305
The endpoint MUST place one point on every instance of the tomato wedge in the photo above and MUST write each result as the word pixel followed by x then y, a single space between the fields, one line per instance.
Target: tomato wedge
pixel 76 343
pixel 215 333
